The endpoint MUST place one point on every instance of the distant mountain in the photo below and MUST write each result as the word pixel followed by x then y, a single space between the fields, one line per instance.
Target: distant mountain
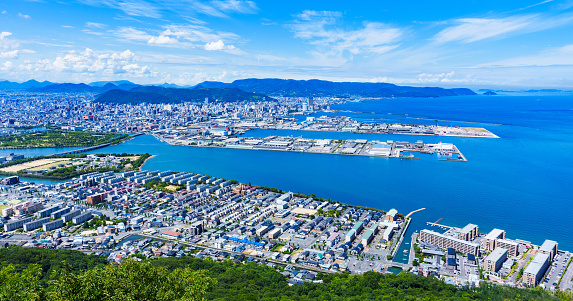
pixel 156 94
pixel 267 86
pixel 314 87
pixel 122 84
pixel 7 85
pixel 545 90
pixel 489 93
pixel 74 88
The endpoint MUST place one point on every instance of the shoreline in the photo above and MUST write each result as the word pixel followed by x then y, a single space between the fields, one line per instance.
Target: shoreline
pixel 397 155
pixel 492 136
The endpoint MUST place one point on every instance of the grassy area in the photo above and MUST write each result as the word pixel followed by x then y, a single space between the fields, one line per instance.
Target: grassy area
pixel 58 138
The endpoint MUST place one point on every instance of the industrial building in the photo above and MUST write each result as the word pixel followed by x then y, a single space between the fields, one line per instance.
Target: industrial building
pixel 536 269
pixel 495 259
pixel 444 241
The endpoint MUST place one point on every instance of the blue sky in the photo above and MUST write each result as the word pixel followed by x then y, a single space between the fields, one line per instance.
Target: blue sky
pixel 525 43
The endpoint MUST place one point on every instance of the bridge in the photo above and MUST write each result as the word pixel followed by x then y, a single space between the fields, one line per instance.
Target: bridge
pixel 81 150
pixel 392 264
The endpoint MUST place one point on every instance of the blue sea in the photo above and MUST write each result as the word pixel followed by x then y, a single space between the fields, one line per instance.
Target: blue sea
pixel 520 183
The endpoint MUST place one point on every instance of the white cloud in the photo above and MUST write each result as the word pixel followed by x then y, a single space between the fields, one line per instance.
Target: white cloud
pixel 321 28
pixel 5 34
pixel 90 62
pixel 219 45
pixel 21 15
pixel 239 6
pixel 183 36
pixel 136 8
pixel 67 26
pixel 4 12
pixel 156 8
pixel 7 43
pixel 10 54
pixel 444 78
pixel 476 29
pixel 95 25
pixel 95 33
pixel 557 56
pixel 162 39
pixel 131 33
pixel 6 66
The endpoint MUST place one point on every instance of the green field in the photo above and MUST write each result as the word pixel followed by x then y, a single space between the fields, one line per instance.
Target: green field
pixel 58 138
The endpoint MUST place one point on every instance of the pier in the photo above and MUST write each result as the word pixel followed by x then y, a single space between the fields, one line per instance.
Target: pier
pixel 439 225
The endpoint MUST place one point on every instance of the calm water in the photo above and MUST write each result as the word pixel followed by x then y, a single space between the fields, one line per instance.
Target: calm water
pixel 37 151
pixel 520 183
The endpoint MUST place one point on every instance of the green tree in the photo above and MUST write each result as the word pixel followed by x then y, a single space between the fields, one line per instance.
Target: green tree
pixel 20 286
pixel 131 281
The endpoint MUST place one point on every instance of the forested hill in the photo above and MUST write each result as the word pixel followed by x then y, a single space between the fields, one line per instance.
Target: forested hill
pixel 43 274
pixel 155 94
pixel 315 87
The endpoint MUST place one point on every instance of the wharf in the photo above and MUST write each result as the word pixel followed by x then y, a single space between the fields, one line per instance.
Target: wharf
pixel 290 144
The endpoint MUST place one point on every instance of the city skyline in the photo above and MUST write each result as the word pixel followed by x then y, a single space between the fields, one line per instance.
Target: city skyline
pixel 521 44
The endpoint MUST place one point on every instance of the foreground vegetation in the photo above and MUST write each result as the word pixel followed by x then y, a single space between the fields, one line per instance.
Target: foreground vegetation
pixel 66 173
pixel 59 138
pixel 40 274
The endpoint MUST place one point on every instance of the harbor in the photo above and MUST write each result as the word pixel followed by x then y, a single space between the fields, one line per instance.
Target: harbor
pixel 355 147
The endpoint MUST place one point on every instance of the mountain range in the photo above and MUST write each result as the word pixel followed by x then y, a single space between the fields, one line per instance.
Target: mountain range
pixel 154 94
pixel 128 92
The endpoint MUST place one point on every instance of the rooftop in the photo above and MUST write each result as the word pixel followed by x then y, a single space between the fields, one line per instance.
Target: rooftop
pixel 468 228
pixel 493 234
pixel 496 254
pixel 548 246
pixel 537 263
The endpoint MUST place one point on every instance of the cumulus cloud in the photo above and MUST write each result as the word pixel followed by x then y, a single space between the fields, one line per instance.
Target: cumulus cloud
pixel 90 62
pixel 9 55
pixel 21 15
pixel 162 39
pixel 5 34
pixel 7 43
pixel 6 66
pixel 448 77
pixel 322 28
pixel 183 36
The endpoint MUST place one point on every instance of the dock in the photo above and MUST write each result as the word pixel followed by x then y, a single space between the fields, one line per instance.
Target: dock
pixel 439 225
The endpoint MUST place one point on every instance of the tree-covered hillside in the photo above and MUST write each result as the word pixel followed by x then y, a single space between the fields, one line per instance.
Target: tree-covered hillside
pixel 86 277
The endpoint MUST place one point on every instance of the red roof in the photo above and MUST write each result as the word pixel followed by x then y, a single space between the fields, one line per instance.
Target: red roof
pixel 171 233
